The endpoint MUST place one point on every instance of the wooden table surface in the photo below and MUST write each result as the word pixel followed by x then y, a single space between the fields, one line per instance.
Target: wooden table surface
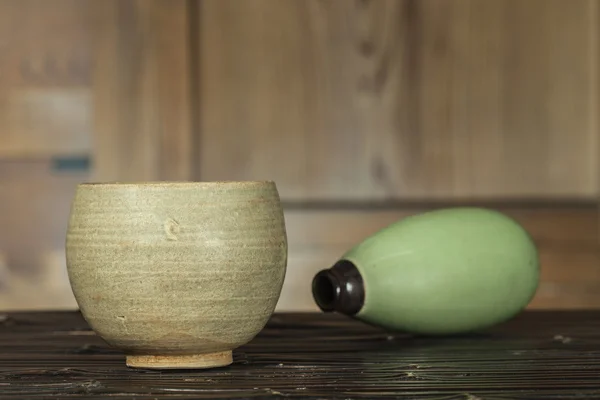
pixel 542 355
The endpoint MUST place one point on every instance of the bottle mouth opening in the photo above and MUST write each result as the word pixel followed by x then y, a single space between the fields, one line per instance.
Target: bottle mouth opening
pixel 339 288
pixel 326 290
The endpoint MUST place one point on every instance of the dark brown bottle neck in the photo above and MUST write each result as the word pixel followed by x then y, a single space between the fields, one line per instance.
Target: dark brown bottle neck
pixel 339 288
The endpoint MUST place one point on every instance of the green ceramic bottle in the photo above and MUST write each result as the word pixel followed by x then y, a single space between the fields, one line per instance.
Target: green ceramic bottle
pixel 446 271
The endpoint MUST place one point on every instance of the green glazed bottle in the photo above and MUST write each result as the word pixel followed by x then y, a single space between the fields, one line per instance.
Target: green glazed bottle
pixel 446 271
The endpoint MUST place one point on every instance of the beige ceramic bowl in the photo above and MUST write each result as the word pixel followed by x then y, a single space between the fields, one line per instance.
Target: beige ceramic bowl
pixel 177 275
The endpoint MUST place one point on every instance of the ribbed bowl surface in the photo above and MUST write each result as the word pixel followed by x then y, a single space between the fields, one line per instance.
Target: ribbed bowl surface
pixel 177 268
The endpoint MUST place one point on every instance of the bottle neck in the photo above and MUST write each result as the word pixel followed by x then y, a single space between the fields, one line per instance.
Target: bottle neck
pixel 339 288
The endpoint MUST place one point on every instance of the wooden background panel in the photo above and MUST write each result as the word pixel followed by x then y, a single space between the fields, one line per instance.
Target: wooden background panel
pixel 142 91
pixel 371 100
pixel 567 240
pixel 563 285
pixel 285 92
pixel 45 83
pixel 36 200
pixel 46 63
pixel 498 85
pixel 560 227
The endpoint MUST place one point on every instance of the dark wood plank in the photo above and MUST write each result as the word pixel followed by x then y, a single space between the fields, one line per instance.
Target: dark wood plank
pixel 551 355
pixel 567 239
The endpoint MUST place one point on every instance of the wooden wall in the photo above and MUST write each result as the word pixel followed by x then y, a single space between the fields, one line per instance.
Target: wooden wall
pixel 45 96
pixel 362 111
pixel 567 239
pixel 46 113
pixel 368 100
pixel 142 88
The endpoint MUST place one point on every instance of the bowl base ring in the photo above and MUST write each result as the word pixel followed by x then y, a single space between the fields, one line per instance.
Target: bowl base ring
pixel 191 361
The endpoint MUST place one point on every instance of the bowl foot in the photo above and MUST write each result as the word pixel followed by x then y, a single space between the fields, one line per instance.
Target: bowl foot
pixel 192 361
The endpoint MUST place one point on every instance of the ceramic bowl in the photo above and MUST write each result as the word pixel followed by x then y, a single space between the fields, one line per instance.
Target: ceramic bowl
pixel 177 275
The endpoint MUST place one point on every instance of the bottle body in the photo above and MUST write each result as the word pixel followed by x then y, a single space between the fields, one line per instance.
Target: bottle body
pixel 446 271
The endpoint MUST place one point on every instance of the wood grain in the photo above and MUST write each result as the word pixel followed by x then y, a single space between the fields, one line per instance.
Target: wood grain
pixel 36 201
pixel 567 241
pixel 372 100
pixel 45 79
pixel 537 355
pixel 279 95
pixel 142 91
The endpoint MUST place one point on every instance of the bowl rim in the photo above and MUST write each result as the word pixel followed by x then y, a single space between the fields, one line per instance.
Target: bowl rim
pixel 176 183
